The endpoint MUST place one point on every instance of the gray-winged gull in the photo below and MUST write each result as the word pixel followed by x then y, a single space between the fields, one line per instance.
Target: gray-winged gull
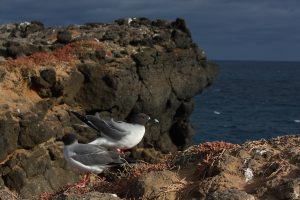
pixel 89 157
pixel 117 134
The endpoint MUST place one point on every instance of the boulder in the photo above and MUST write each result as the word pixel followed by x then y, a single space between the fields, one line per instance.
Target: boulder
pixel 64 36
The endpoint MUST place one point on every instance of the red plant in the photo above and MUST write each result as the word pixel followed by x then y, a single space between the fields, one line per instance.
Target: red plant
pixel 67 55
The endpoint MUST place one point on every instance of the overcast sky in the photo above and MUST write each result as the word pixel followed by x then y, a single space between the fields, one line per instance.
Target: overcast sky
pixel 225 29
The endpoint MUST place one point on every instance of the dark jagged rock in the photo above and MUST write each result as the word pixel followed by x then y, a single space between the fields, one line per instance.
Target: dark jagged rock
pixel 99 92
pixel 2 73
pixel 38 81
pixel 49 75
pixel 64 37
pixel 180 133
pixel 17 49
pixel 180 25
pixel 45 175
pixel 15 179
pixel 45 83
pixel 132 65
pixel 161 23
pixel 33 27
pixel 290 189
pixel 180 39
pixel 9 129
pixel 185 109
pixel 34 130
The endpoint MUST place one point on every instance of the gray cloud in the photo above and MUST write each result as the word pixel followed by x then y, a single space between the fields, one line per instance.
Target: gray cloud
pixel 226 29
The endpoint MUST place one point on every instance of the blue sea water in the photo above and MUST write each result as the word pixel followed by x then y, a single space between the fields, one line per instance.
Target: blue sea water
pixel 249 100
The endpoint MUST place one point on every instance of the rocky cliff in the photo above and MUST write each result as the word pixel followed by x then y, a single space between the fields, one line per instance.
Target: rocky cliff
pixel 115 69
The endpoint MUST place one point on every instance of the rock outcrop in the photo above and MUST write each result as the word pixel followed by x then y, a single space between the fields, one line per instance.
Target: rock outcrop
pixel 115 69
pixel 210 171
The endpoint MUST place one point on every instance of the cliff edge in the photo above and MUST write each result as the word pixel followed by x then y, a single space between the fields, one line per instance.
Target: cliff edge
pixel 128 66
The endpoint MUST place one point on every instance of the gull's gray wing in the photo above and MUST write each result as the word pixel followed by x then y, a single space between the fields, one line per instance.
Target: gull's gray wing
pixel 83 149
pixel 85 120
pixel 95 155
pixel 109 128
pixel 97 159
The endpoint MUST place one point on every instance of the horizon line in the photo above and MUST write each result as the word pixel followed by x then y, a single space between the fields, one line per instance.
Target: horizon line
pixel 252 60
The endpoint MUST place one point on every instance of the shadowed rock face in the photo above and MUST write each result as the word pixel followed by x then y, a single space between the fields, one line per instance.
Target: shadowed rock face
pixel 115 69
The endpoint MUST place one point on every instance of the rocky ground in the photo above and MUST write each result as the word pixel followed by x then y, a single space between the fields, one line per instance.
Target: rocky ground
pixel 115 69
pixel 118 69
pixel 212 171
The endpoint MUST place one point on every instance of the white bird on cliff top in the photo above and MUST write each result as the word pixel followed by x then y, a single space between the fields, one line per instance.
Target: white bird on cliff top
pixel 88 157
pixel 117 134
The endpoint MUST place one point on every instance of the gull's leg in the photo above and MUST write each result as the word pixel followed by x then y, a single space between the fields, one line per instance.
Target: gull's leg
pixel 84 181
pixel 120 151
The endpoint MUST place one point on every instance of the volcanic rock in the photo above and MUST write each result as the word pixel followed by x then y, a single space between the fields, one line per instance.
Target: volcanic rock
pixel 116 69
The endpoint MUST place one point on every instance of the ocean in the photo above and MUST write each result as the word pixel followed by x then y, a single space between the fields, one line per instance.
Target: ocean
pixel 249 100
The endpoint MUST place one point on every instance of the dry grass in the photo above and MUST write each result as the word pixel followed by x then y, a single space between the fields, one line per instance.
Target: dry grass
pixel 202 156
pixel 120 181
pixel 85 46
